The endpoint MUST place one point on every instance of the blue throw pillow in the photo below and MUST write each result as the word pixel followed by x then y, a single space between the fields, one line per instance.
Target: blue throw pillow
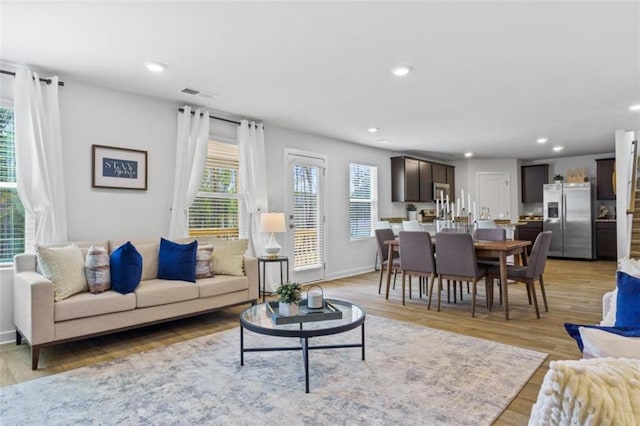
pixel 126 268
pixel 574 331
pixel 177 261
pixel 628 302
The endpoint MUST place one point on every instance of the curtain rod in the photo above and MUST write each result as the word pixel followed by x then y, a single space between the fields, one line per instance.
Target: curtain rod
pixel 213 117
pixel 44 80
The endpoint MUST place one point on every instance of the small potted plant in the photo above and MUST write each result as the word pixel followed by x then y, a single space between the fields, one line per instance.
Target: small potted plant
pixel 290 294
pixel 412 211
pixel 558 178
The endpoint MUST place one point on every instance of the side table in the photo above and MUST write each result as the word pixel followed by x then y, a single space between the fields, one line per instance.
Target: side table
pixel 263 260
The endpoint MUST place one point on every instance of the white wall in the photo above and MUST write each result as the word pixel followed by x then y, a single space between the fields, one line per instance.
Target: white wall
pixel 467 173
pixel 344 257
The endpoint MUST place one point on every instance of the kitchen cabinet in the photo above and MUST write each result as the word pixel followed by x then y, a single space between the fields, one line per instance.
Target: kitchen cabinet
pixel 533 178
pixel 606 241
pixel 529 232
pixel 605 179
pixel 412 179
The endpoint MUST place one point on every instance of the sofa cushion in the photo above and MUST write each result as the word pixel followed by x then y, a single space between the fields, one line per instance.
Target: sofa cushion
pixel 177 261
pixel 97 269
pixel 628 301
pixel 228 257
pixel 64 266
pixel 596 341
pixel 89 305
pixel 221 284
pixel 126 268
pixel 161 292
pixel 149 253
pixel 203 261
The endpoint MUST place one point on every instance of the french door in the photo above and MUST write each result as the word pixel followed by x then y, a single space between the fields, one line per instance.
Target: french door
pixel 305 237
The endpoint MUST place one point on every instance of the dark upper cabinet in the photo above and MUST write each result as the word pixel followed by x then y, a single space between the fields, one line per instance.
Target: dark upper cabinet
pixel 426 181
pixel 439 172
pixel 533 178
pixel 606 189
pixel 412 179
pixel 451 179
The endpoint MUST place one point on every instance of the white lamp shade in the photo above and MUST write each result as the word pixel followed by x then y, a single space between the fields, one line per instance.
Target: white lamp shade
pixel 272 222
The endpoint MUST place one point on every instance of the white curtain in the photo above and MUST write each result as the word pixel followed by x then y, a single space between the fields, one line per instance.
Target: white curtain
pixel 253 175
pixel 39 165
pixel 191 157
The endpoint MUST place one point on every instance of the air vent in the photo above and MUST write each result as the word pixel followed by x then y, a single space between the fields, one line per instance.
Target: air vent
pixel 199 93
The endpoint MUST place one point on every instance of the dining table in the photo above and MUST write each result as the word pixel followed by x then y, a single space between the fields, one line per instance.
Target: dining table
pixel 486 249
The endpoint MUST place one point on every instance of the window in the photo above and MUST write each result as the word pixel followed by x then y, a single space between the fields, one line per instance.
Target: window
pixel 216 211
pixel 363 200
pixel 12 214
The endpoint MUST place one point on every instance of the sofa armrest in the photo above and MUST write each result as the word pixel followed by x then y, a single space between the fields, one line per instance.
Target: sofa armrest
pixel 251 271
pixel 33 304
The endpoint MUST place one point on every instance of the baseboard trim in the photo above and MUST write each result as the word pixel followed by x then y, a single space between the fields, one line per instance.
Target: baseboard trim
pixel 349 273
pixel 7 337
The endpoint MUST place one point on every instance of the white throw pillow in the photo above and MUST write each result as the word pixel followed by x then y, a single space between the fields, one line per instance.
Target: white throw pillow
pixel 64 266
pixel 228 257
pixel 602 344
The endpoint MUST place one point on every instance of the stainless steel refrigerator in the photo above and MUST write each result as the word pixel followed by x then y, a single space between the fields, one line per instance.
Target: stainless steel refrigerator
pixel 568 214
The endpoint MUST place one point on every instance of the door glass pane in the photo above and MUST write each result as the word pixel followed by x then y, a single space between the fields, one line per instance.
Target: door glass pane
pixel 306 217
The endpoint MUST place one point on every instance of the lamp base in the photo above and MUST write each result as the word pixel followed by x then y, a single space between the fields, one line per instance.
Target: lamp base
pixel 272 248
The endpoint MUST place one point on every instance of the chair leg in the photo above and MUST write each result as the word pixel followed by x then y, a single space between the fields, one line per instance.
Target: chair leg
pixel 473 297
pixel 529 294
pixel 461 289
pixel 409 287
pixel 395 274
pixel 544 294
pixel 433 278
pixel 403 276
pixel 467 290
pixel 533 296
pixel 439 291
pixel 448 291
pixel 380 282
pixel 375 264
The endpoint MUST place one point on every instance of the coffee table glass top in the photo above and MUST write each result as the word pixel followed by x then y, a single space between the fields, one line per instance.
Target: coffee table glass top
pixel 257 318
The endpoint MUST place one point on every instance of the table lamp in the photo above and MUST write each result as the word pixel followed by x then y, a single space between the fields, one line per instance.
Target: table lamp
pixel 272 222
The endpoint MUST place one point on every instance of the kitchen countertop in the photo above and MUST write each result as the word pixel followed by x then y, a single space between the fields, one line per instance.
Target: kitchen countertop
pixel 606 220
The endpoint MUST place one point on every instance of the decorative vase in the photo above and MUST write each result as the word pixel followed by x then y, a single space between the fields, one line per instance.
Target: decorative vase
pixel 413 215
pixel 287 309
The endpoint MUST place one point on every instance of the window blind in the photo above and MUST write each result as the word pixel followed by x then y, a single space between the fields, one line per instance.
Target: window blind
pixel 363 200
pixel 308 217
pixel 216 210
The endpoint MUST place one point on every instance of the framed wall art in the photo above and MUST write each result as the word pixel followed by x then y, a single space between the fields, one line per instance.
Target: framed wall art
pixel 120 168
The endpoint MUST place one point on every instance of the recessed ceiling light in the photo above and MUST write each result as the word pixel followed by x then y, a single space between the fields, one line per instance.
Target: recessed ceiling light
pixel 635 107
pixel 542 140
pixel 558 148
pixel 373 129
pixel 468 154
pixel 384 140
pixel 401 71
pixel 155 66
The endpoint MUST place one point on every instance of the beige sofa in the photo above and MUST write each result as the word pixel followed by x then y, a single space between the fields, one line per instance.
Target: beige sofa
pixel 43 322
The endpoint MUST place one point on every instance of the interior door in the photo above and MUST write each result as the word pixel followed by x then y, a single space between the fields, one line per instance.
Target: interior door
pixel 493 192
pixel 305 237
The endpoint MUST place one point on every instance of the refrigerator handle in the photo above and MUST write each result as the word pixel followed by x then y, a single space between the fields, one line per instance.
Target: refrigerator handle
pixel 564 211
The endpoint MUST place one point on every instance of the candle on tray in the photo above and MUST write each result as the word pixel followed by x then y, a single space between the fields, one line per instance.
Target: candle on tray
pixel 462 197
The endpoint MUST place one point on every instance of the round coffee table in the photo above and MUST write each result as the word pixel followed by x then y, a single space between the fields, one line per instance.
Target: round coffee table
pixel 258 319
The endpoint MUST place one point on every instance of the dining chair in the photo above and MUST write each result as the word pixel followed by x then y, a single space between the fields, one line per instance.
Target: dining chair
pixel 417 259
pixel 383 235
pixel 381 224
pixel 411 225
pixel 530 273
pixel 456 260
pixel 490 234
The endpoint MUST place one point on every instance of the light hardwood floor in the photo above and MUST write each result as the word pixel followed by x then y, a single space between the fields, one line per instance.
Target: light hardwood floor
pixel 574 290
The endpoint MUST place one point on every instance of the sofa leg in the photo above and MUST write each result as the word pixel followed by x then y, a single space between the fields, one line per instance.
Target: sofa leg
pixel 18 338
pixel 35 355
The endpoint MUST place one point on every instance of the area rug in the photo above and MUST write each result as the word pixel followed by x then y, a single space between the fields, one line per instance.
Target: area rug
pixel 411 375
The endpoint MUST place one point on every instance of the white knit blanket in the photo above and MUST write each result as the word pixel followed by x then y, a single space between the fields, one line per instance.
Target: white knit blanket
pixel 599 391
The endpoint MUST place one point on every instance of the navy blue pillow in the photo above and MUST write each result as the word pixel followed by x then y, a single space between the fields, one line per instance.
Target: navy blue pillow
pixel 126 268
pixel 628 302
pixel 574 331
pixel 177 261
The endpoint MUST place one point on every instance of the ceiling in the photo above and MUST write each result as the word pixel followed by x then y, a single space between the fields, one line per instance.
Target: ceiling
pixel 488 77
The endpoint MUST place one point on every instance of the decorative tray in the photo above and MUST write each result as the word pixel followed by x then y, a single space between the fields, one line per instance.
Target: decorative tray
pixel 328 312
